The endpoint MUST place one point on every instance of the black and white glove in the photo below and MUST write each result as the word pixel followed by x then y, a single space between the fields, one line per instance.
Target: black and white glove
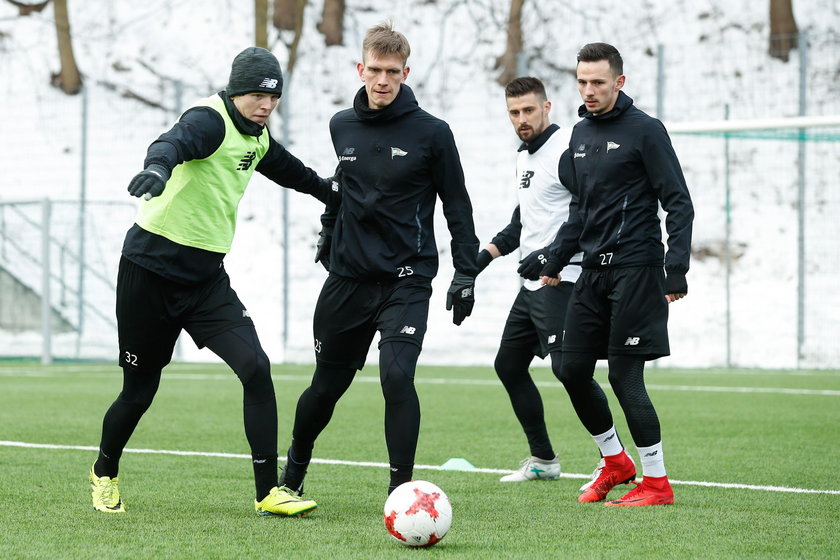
pixel 530 266
pixel 322 248
pixel 149 182
pixel 460 297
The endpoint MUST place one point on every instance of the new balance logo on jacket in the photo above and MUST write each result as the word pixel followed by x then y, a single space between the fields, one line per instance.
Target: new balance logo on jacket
pixel 347 154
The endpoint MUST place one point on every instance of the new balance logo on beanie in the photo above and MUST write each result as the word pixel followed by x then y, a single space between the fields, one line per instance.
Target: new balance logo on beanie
pixel 255 70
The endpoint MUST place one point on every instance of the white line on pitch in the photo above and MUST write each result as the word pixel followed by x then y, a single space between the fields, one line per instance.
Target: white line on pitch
pixel 14 372
pixel 421 467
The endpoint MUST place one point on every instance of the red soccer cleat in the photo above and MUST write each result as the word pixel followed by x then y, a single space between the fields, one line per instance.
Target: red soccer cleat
pixel 618 469
pixel 652 491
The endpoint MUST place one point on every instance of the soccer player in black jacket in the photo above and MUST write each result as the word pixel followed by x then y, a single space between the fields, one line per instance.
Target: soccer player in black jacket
pixel 395 159
pixel 535 323
pixel 623 165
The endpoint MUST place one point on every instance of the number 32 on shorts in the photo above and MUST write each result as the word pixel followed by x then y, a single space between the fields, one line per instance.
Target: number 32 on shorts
pixel 131 359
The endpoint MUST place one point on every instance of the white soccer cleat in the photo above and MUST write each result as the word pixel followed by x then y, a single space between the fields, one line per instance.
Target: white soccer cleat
pixel 534 468
pixel 595 474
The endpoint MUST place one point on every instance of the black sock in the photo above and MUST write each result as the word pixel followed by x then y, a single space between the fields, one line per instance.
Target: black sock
pixel 399 475
pixel 106 466
pixel 265 474
pixel 539 442
pixel 296 464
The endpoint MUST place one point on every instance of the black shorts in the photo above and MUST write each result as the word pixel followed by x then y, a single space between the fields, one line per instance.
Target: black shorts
pixel 618 311
pixel 151 311
pixel 349 313
pixel 536 319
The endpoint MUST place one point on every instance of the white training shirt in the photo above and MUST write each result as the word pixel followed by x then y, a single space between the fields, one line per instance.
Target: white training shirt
pixel 543 201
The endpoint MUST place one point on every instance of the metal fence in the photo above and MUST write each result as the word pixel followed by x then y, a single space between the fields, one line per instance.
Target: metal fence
pixel 765 266
pixel 761 295
pixel 58 264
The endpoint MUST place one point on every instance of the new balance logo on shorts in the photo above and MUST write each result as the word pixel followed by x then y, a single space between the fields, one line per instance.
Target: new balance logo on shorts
pixel 552 338
pixel 408 330
pixel 632 341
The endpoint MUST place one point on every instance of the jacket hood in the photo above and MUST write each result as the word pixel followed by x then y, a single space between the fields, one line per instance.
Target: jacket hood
pixel 403 103
pixel 623 102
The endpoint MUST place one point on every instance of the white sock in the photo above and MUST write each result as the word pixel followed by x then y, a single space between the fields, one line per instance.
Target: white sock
pixel 653 463
pixel 608 443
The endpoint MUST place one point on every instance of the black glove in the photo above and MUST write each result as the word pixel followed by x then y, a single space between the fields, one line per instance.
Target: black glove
pixel 322 248
pixel 530 266
pixel 483 259
pixel 551 269
pixel 460 296
pixel 675 283
pixel 150 182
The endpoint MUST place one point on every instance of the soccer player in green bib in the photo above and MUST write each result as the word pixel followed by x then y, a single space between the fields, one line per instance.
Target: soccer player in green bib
pixel 172 277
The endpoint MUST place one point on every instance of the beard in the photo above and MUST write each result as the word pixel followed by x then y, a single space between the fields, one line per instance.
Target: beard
pixel 525 134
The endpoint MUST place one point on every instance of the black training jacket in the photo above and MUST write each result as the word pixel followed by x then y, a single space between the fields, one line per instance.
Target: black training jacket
pixel 394 163
pixel 622 164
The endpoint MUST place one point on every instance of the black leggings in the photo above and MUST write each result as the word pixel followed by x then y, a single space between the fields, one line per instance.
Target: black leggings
pixel 626 376
pixel 512 368
pixel 397 363
pixel 240 349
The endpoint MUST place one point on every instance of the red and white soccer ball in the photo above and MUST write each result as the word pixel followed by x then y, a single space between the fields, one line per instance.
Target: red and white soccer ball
pixel 418 514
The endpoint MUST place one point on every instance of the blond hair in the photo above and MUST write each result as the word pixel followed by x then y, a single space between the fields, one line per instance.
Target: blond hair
pixel 382 40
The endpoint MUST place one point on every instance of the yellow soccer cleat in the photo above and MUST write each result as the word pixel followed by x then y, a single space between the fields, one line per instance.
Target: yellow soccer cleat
pixel 283 502
pixel 106 493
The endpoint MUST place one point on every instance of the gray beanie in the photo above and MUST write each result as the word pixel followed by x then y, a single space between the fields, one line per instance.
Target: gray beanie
pixel 255 69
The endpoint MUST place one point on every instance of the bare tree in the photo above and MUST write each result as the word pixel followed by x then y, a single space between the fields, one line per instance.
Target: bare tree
pixel 24 8
pixel 287 13
pixel 296 8
pixel 509 61
pixel 261 23
pixel 332 22
pixel 784 34
pixel 68 78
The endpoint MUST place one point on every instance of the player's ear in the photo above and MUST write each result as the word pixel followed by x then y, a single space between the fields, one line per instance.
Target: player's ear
pixel 619 82
pixel 361 68
pixel 405 73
